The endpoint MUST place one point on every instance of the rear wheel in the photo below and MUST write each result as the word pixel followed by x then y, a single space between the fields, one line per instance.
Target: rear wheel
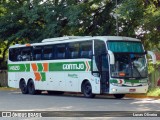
pixel 87 90
pixel 31 88
pixel 119 96
pixel 23 87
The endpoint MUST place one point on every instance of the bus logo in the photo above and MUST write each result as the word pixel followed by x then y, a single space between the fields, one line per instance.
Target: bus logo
pixel 73 66
pixel 14 68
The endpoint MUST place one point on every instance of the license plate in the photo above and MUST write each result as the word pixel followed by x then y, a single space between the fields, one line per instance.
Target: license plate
pixel 132 90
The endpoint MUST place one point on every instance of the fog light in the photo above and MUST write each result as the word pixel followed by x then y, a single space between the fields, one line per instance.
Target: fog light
pixel 114 90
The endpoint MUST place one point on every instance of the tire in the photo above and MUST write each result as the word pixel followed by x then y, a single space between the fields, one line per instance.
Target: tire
pixel 23 87
pixel 31 88
pixel 87 90
pixel 119 96
pixel 55 92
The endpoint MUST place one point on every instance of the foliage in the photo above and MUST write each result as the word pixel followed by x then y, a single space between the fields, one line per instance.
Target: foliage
pixel 140 18
pixel 152 68
pixel 154 92
pixel 23 21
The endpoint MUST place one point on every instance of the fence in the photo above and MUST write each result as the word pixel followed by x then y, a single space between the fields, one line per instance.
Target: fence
pixel 3 78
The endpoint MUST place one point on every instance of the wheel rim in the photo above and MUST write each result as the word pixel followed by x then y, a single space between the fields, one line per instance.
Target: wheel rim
pixel 31 87
pixel 23 86
pixel 87 89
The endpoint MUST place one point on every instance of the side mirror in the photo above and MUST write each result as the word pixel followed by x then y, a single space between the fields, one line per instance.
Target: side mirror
pixel 112 58
pixel 153 56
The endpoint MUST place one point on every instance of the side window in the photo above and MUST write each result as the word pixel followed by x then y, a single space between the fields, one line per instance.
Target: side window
pixel 73 50
pixel 100 56
pixel 86 49
pixel 37 53
pixel 26 54
pixel 99 47
pixel 48 53
pixel 15 54
pixel 60 51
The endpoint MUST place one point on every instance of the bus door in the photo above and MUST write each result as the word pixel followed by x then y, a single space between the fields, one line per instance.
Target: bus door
pixel 100 65
pixel 104 72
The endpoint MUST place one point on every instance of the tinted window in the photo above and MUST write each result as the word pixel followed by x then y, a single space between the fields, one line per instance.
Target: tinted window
pixel 100 47
pixel 37 53
pixel 60 51
pixel 73 50
pixel 14 54
pixel 26 54
pixel 86 49
pixel 124 46
pixel 48 53
pixel 100 56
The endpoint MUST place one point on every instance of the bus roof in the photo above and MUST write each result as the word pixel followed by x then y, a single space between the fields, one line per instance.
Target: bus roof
pixel 67 39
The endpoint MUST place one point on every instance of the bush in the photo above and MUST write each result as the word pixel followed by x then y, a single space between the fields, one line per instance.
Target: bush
pixel 154 92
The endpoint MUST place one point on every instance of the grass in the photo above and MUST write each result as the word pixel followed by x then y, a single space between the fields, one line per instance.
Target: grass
pixel 154 92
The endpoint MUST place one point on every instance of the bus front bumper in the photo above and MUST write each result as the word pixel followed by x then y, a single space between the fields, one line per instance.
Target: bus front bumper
pixel 127 89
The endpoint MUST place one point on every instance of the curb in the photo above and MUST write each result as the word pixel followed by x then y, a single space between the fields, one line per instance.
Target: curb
pixel 141 96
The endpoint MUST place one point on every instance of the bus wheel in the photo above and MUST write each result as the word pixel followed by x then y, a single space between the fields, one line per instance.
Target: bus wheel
pixel 31 88
pixel 23 87
pixel 87 90
pixel 119 96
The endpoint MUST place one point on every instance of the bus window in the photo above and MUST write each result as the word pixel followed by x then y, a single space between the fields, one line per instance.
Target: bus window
pixel 100 48
pixel 48 53
pixel 26 54
pixel 86 49
pixel 73 50
pixel 15 54
pixel 37 53
pixel 61 51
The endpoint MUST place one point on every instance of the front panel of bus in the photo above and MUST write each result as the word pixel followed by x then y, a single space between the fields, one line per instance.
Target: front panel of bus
pixel 129 73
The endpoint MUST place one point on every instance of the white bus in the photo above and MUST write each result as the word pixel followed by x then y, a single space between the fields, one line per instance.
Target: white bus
pixel 91 65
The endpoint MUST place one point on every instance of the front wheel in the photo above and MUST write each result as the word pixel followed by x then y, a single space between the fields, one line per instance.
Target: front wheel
pixel 87 90
pixel 119 96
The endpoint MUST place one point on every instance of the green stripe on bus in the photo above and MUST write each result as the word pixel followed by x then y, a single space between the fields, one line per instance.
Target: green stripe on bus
pixel 129 81
pixel 43 75
pixel 59 66
pixel 68 66
pixel 18 67
pixel 40 67
pixel 27 67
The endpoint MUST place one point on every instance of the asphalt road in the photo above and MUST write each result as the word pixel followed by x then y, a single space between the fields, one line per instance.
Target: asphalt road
pixel 14 100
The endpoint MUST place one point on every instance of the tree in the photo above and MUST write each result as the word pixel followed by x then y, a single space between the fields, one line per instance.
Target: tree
pixel 140 18
pixel 23 21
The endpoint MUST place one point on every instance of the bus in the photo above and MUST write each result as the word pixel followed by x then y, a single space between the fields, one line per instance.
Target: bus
pixel 88 64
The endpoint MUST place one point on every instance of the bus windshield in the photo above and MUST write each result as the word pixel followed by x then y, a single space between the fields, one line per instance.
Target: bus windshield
pixel 129 65
pixel 130 61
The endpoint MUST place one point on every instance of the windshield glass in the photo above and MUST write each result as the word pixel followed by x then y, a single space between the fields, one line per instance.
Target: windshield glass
pixel 129 66
pixel 125 46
